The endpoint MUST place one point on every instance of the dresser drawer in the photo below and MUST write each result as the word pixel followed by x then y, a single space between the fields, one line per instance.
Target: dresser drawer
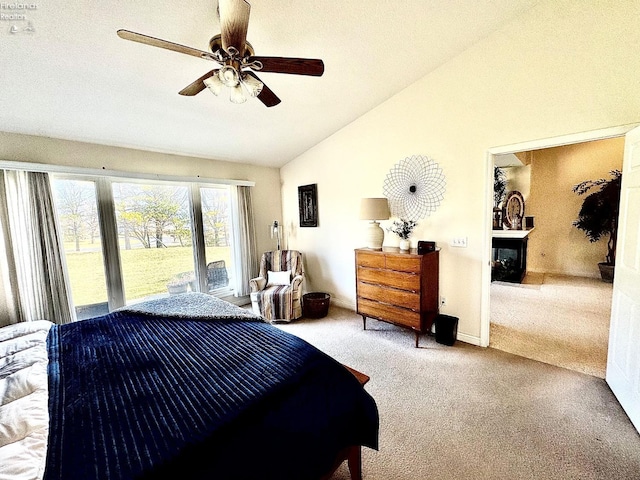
pixel 369 259
pixel 400 280
pixel 401 298
pixel 389 313
pixel 404 263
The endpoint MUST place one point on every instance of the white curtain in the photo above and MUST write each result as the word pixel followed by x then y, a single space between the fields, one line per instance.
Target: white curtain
pixel 31 252
pixel 246 252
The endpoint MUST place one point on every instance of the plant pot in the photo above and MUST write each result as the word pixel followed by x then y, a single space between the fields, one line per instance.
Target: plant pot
pixel 405 244
pixel 606 272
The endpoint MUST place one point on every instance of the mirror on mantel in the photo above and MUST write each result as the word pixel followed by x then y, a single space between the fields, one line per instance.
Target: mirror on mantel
pixel 510 213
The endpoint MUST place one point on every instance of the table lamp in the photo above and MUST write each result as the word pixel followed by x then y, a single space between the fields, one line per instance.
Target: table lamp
pixel 374 209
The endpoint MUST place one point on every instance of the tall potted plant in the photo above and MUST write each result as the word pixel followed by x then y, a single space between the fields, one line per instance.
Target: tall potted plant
pixel 499 191
pixel 598 216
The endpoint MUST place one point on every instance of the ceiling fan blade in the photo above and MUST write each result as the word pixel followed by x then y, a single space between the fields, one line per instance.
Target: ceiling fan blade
pixel 156 42
pixel 266 96
pixel 234 22
pixel 297 66
pixel 196 86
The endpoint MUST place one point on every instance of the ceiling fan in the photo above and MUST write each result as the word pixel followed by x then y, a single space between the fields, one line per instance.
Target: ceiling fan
pixel 236 58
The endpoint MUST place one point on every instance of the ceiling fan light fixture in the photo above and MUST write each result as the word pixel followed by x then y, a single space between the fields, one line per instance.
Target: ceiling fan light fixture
pixel 229 76
pixel 214 84
pixel 233 56
pixel 237 95
pixel 252 84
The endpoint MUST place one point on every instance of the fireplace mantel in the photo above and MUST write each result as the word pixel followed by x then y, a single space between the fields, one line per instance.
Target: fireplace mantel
pixel 511 233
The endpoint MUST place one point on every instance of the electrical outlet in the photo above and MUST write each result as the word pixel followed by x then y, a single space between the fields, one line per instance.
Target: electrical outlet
pixel 459 242
pixel 443 301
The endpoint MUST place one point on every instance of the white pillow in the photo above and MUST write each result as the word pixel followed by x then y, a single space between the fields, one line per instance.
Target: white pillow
pixel 278 278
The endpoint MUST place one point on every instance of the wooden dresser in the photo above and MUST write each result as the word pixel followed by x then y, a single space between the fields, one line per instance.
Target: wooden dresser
pixel 396 287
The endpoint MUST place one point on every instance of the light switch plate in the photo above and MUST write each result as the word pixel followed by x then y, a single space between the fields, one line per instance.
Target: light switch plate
pixel 459 242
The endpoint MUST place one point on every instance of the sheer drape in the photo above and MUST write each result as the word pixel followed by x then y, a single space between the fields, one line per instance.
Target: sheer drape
pixel 9 307
pixel 31 251
pixel 246 252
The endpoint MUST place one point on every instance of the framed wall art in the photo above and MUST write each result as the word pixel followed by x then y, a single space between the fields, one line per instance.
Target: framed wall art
pixel 308 205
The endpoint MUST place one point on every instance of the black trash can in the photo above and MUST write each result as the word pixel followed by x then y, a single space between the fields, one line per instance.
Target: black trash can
pixel 315 304
pixel 446 329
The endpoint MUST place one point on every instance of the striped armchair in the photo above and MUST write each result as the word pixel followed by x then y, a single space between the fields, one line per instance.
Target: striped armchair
pixel 276 294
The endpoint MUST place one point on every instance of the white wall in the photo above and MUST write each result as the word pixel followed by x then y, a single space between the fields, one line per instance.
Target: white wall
pixel 34 149
pixel 566 66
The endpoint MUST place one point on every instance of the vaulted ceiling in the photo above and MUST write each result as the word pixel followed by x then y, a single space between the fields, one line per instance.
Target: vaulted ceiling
pixel 72 77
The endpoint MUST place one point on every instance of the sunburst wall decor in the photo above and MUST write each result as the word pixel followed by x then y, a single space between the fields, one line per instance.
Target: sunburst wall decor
pixel 415 187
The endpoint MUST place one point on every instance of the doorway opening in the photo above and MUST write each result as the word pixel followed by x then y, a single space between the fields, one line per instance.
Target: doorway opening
pixel 558 311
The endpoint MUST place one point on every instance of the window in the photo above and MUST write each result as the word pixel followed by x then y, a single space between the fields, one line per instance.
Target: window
pixel 216 220
pixel 154 237
pixel 78 218
pixel 149 245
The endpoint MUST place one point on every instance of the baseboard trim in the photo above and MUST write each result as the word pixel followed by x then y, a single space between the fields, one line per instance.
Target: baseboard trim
pixel 463 337
pixel 343 304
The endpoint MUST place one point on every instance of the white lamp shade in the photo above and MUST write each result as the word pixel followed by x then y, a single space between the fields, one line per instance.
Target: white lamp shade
pixel 374 209
pixel 229 76
pixel 214 84
pixel 236 94
pixel 254 86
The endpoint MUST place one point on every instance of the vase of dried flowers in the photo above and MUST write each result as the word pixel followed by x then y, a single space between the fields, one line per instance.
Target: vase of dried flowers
pixel 403 229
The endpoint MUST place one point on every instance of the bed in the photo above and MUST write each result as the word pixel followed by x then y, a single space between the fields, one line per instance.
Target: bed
pixel 187 386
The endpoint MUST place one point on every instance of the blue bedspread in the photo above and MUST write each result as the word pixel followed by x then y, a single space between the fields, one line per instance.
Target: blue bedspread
pixel 141 395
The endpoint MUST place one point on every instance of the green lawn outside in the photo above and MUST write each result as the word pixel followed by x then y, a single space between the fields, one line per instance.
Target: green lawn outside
pixel 146 271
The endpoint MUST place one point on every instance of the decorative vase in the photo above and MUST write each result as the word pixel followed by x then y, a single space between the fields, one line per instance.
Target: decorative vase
pixel 497 219
pixel 404 244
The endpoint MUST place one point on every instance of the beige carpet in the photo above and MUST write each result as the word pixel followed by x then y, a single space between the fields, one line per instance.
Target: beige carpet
pixel 554 319
pixel 466 412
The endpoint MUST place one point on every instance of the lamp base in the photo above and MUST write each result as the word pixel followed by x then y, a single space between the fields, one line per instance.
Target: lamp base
pixel 374 236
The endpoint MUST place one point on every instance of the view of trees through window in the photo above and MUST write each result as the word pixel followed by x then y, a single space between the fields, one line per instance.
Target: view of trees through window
pixel 156 247
pixel 78 218
pixel 217 234
pixel 154 230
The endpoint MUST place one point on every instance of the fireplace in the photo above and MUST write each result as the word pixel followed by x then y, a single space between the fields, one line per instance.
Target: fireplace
pixel 509 259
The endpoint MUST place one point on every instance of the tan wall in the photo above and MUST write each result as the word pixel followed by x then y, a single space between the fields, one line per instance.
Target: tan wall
pixel 556 246
pixel 266 194
pixel 564 67
pixel 519 179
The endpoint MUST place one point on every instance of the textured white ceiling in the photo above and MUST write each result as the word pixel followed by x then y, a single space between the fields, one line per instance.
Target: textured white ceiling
pixel 74 78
